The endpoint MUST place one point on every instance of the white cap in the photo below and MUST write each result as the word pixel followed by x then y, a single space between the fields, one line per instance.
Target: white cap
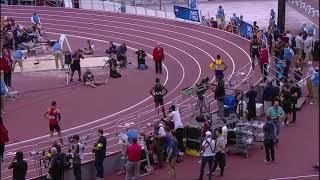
pixel 310 62
pixel 161 125
pixel 208 133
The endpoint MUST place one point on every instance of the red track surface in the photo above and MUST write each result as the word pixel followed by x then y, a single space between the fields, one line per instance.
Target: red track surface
pixel 189 49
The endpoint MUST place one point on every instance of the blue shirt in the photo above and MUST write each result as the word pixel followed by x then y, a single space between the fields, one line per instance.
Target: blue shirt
pixel 174 146
pixel 18 54
pixel 288 53
pixel 220 13
pixel 132 134
pixel 36 19
pixel 316 79
pixel 272 15
pixel 310 30
pixel 274 113
pixel 3 88
pixel 56 47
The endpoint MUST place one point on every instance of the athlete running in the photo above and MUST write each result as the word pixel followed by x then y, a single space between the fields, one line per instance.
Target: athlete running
pixel 158 92
pixel 54 117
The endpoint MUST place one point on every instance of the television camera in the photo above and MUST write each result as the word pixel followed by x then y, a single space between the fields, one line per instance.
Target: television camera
pixel 202 87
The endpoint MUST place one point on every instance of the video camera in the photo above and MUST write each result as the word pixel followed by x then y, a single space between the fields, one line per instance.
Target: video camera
pixel 202 87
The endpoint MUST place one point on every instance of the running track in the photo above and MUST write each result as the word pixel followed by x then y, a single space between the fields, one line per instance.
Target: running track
pixel 189 48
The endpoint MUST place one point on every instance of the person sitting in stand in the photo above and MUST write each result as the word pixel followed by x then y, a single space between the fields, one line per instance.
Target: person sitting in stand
pixel 91 49
pixel 89 80
pixel 141 59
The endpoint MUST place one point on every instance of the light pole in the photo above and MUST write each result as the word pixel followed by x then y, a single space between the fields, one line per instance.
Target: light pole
pixel 281 15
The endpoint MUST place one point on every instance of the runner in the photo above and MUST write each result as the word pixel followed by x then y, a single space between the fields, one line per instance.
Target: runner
pixel 255 47
pixel 54 117
pixel 158 94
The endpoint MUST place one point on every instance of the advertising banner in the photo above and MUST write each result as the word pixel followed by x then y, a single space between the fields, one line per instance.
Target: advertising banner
pixel 186 13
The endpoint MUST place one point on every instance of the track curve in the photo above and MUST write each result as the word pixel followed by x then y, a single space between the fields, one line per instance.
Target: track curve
pixel 189 49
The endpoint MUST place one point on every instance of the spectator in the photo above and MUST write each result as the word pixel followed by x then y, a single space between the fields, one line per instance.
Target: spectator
pixel 295 95
pixel 18 58
pixel 286 102
pixel 75 65
pixel 3 138
pixel 299 45
pixel 134 153
pixel 76 157
pixel 4 91
pixel 251 106
pixel 55 169
pixel 219 96
pixel 113 66
pixel 220 157
pixel 132 133
pixel 121 55
pixel 158 57
pixel 288 55
pixel 264 58
pixel 6 66
pixel 19 167
pixel 315 83
pixel 220 13
pixel 172 152
pixel 35 19
pixel 268 141
pixel 174 115
pixel 298 70
pixel 255 27
pixel 308 47
pixel 91 49
pixel 311 29
pixel 224 128
pixel 123 7
pixel 310 73
pixel 57 52
pixel 267 96
pixel 208 149
pixel 276 114
pixel 272 17
pixel 303 28
pixel 99 150
pixel 288 35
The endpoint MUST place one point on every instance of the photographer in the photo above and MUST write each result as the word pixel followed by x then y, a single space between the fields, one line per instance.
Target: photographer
pixel 75 64
pixel 113 67
pixel 19 167
pixel 141 59
pixel 121 55
pixel 91 49
pixel 89 80
pixel 207 149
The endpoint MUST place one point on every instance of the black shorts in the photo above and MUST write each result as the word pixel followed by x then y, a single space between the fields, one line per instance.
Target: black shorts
pixel 255 54
pixel 54 127
pixel 158 100
pixel 75 67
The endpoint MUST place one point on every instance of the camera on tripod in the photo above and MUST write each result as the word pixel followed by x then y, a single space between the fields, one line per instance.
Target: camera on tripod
pixel 202 87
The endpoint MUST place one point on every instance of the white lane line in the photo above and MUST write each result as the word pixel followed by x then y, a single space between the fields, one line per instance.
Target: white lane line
pixel 296 177
pixel 106 117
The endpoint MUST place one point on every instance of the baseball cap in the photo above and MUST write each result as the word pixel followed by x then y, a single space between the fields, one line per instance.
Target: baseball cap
pixel 208 133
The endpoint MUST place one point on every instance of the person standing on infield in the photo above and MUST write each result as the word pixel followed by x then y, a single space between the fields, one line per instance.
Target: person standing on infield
pixel 158 92
pixel 54 117
pixel 158 57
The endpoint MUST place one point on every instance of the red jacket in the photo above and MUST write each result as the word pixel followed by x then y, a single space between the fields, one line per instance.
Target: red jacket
pixel 158 54
pixel 3 134
pixel 264 56
pixel 5 64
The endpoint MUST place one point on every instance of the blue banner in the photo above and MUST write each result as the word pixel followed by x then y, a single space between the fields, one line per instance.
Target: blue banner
pixel 186 13
pixel 246 29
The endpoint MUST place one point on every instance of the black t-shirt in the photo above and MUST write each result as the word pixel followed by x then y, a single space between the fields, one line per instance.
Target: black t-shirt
pixel 251 95
pixel 101 144
pixel 158 90
pixel 219 92
pixel 19 169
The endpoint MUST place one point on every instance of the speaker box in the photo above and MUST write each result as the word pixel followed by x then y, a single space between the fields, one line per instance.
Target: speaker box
pixel 193 132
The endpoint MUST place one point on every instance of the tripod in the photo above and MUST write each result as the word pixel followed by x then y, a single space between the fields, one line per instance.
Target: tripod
pixel 201 106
